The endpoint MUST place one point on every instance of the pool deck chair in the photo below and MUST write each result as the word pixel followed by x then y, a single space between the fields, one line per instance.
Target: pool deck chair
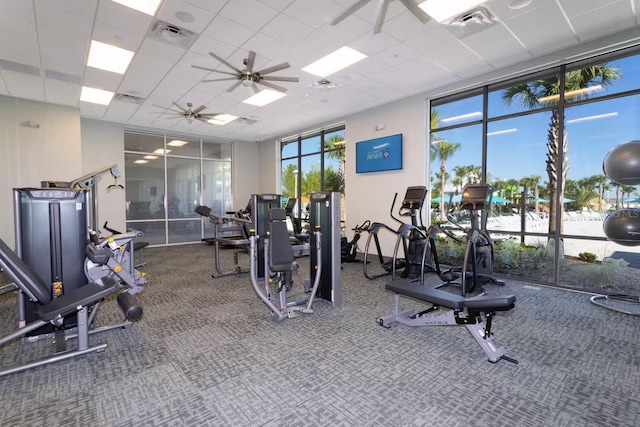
pixel 53 310
pixel 463 311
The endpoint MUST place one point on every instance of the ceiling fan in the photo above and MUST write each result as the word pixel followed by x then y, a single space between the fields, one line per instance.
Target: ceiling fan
pixel 383 5
pixel 248 77
pixel 188 114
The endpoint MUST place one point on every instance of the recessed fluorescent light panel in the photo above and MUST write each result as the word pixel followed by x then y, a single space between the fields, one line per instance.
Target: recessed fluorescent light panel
pixel 161 151
pixel 95 96
pixel 141 162
pixel 221 119
pixel 145 6
pixel 109 58
pixel 177 143
pixel 150 157
pixel 442 10
pixel 264 97
pixel 334 62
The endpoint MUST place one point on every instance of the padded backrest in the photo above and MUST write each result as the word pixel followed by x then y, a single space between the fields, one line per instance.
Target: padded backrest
pixel 23 276
pixel 203 211
pixel 280 250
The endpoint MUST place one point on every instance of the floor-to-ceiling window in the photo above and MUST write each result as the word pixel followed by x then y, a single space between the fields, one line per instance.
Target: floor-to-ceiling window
pixel 540 141
pixel 167 177
pixel 312 162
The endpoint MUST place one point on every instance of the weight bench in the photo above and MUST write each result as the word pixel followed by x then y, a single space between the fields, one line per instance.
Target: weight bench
pixel 463 311
pixel 84 301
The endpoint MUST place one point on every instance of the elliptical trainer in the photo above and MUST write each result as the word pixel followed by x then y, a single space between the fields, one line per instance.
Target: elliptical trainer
pixel 410 235
pixel 477 266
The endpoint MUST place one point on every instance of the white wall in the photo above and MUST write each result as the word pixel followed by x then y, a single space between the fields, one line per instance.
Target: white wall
pixel 370 195
pixel 269 167
pixel 245 179
pixel 29 155
pixel 103 145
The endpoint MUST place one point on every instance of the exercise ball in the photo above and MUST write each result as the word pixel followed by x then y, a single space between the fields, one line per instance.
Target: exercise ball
pixel 622 163
pixel 623 227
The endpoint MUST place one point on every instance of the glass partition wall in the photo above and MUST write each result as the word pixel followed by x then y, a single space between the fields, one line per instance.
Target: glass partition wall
pixel 540 141
pixel 167 177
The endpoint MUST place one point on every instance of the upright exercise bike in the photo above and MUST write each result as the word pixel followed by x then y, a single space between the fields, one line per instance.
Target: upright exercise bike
pixel 477 266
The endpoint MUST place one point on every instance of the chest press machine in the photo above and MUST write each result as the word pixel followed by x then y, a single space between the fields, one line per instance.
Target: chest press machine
pixel 463 311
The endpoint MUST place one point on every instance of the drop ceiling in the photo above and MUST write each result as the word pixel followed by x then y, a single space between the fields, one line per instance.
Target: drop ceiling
pixel 44 46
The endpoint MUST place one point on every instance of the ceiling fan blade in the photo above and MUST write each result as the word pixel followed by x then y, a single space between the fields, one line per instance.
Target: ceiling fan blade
pixel 255 88
pixel 251 59
pixel 235 85
pixel 173 118
pixel 160 106
pixel 273 69
pixel 272 86
pixel 383 6
pixel 417 12
pixel 179 107
pixel 219 80
pixel 202 120
pixel 348 11
pixel 281 79
pixel 225 62
pixel 200 108
pixel 211 69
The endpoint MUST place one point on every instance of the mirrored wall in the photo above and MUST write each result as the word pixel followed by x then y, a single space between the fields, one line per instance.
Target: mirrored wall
pixel 167 177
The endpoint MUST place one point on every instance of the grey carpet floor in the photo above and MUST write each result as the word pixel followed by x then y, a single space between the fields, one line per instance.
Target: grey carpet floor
pixel 206 353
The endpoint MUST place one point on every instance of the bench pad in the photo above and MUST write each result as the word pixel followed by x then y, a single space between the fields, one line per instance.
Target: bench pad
pixel 424 293
pixel 491 303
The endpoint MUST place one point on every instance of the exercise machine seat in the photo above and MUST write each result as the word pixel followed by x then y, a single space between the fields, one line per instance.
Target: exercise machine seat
pixel 281 256
pixel 490 303
pixel 83 296
pixel 424 293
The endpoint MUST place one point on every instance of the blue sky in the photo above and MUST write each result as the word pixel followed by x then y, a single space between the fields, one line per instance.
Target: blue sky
pixel 517 147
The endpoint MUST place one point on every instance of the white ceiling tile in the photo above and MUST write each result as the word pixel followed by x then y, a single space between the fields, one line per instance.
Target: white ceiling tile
pixel 116 36
pixel 3 87
pixel 496 45
pixel 423 68
pixel 93 111
pixel 503 12
pixel 203 45
pixel 197 20
pixel 23 85
pixel 149 66
pixel 286 30
pixel 265 47
pixel 84 8
pixel 557 32
pixel 227 31
pixel 403 26
pixel 18 43
pixel 591 24
pixel 577 7
pixel 120 111
pixel 63 39
pixel 62 93
pixel 312 12
pixel 249 13
pixel 213 6
pixel 102 79
pixel 370 43
pixel 396 54
pixel 120 16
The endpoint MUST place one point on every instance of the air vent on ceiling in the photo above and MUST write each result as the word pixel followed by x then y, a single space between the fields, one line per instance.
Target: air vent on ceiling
pixel 247 121
pixel 128 98
pixel 325 85
pixel 471 21
pixel 171 34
